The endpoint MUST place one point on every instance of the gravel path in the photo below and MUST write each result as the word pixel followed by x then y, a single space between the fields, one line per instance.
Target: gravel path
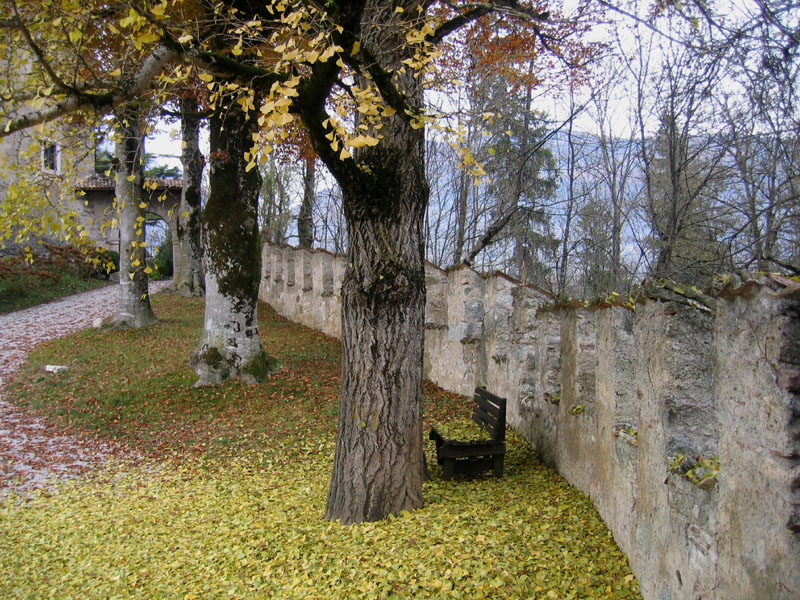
pixel 32 451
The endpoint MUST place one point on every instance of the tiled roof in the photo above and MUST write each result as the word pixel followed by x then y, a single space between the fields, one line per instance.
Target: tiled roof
pixel 106 183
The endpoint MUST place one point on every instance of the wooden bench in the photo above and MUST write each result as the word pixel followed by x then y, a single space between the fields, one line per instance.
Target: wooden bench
pixel 471 457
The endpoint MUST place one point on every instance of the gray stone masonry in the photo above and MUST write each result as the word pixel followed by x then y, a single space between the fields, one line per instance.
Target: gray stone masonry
pixel 631 407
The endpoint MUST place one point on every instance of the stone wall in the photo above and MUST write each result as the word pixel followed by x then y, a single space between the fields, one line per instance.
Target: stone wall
pixel 611 398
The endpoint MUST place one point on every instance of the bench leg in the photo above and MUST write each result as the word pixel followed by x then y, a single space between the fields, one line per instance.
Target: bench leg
pixel 498 464
pixel 448 468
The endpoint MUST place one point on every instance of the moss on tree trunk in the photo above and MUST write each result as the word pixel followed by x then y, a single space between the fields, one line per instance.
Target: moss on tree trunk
pixel 230 345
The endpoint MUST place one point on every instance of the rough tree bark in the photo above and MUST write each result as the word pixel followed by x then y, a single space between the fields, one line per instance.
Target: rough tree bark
pixel 378 463
pixel 134 300
pixel 230 345
pixel 188 272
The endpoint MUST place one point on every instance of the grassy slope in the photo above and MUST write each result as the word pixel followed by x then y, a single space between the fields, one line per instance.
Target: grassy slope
pixel 16 297
pixel 230 503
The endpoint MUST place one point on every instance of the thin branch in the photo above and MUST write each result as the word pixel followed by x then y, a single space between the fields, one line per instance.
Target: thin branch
pixel 136 85
pixel 40 53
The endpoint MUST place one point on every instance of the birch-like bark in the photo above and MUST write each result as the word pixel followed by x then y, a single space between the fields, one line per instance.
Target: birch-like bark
pixel 134 301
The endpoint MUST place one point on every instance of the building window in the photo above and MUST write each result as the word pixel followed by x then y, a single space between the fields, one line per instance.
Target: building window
pixel 50 157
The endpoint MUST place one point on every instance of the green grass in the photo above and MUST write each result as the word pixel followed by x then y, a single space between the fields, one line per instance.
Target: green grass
pixel 230 502
pixel 54 271
pixel 23 293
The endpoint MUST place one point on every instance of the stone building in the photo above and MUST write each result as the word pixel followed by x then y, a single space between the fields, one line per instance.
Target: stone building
pixel 51 173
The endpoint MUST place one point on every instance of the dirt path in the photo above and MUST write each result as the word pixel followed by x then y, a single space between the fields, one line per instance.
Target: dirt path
pixel 32 451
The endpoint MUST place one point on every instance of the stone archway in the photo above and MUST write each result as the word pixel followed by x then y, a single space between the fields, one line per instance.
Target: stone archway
pixel 95 207
pixel 161 247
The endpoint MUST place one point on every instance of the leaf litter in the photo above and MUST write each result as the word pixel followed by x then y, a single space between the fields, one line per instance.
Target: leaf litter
pixel 229 501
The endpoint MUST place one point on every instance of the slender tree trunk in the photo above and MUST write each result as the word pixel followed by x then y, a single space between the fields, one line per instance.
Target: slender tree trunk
pixel 188 277
pixel 572 158
pixel 134 300
pixel 230 345
pixel 305 230
pixel 461 218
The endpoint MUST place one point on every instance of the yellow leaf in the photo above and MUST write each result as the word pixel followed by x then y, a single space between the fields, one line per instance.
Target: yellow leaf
pixel 185 39
pixel 388 111
pixel 236 50
pixel 356 48
pixel 282 119
pixel 362 140
pixel 148 38
pixel 367 108
pixel 148 270
pixel 131 177
pixel 142 204
pixel 75 36
pixel 204 77
pixel 344 154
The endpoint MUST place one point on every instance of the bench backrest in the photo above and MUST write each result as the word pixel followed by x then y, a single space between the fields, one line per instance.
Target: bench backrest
pixel 489 412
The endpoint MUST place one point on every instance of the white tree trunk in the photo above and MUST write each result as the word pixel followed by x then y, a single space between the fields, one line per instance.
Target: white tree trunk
pixel 134 301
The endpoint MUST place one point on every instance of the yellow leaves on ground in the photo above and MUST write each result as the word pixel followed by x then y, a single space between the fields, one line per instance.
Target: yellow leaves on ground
pixel 253 529
pixel 159 10
pixel 245 520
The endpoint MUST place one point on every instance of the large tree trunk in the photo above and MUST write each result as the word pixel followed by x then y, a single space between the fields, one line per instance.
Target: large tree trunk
pixel 230 345
pixel 188 273
pixel 134 300
pixel 378 465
